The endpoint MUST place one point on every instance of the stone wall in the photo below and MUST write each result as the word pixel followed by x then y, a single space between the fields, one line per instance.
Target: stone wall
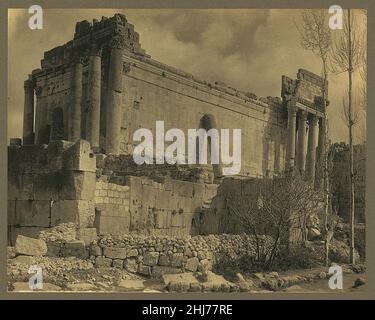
pixel 153 92
pixel 157 255
pixel 61 183
pixel 111 208
pixel 49 185
pixel 167 208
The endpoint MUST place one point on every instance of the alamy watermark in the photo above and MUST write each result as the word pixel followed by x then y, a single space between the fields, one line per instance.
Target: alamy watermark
pixel 218 142
pixel 36 280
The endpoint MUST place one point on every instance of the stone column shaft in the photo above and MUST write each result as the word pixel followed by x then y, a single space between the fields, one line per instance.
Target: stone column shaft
pixel 74 122
pixel 291 143
pixel 93 102
pixel 301 148
pixel 114 97
pixel 28 113
pixel 311 148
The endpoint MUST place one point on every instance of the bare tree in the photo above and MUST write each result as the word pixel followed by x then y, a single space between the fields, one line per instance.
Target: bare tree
pixel 316 37
pixel 279 207
pixel 346 57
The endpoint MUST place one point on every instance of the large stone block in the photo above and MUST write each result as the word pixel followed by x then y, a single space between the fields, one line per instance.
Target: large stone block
pixel 130 265
pixel 32 213
pixel 162 199
pixel 115 253
pixel 144 270
pixel 79 157
pixel 151 258
pixel 130 285
pixel 103 262
pixel 81 212
pixel 192 264
pixel 74 248
pixel 77 185
pixel 183 188
pixel 29 246
pixel 112 225
pixel 88 235
pixel 46 186
pixel 95 250
pixel 176 259
pixel 118 263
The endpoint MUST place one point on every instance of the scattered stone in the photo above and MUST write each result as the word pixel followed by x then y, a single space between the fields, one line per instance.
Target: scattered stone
pixel 115 253
pixel 151 258
pixel 164 260
pixel 95 250
pixel 359 282
pixel 103 262
pixel 215 282
pixel 118 263
pixel 178 286
pixel 258 276
pixel 240 277
pixel 81 286
pixel 30 246
pixel 11 252
pixel 87 235
pixel 131 285
pixel 195 287
pixel 130 264
pixel 205 266
pixel 180 277
pixel 63 232
pixel 144 270
pixel 192 264
pixel 132 253
pixel 75 248
pixel 176 259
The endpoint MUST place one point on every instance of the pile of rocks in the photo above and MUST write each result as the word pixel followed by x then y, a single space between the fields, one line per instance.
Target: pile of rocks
pixel 63 232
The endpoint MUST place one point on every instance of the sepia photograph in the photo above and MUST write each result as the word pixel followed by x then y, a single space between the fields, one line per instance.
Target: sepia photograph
pixel 186 150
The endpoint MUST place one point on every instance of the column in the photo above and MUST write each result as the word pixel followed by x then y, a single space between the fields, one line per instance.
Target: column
pixel 311 147
pixel 93 98
pixel 74 122
pixel 320 153
pixel 291 143
pixel 114 97
pixel 301 148
pixel 28 113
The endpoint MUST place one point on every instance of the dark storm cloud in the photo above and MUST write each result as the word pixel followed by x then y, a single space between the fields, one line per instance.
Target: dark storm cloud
pixel 194 25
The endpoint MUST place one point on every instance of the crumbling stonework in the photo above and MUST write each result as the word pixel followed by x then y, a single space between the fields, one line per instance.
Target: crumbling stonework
pixel 75 163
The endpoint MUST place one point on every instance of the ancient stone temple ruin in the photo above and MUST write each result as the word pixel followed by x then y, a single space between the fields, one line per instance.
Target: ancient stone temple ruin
pixel 74 163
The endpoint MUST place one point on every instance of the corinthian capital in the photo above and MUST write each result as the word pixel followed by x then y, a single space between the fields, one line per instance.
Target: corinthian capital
pixel 117 42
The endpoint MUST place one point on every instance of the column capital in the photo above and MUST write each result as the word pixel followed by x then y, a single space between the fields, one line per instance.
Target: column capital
pixel 28 85
pixel 303 115
pixel 292 109
pixel 117 42
pixel 313 119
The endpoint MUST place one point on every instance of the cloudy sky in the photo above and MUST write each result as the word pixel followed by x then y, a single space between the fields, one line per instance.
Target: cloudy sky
pixel 247 49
